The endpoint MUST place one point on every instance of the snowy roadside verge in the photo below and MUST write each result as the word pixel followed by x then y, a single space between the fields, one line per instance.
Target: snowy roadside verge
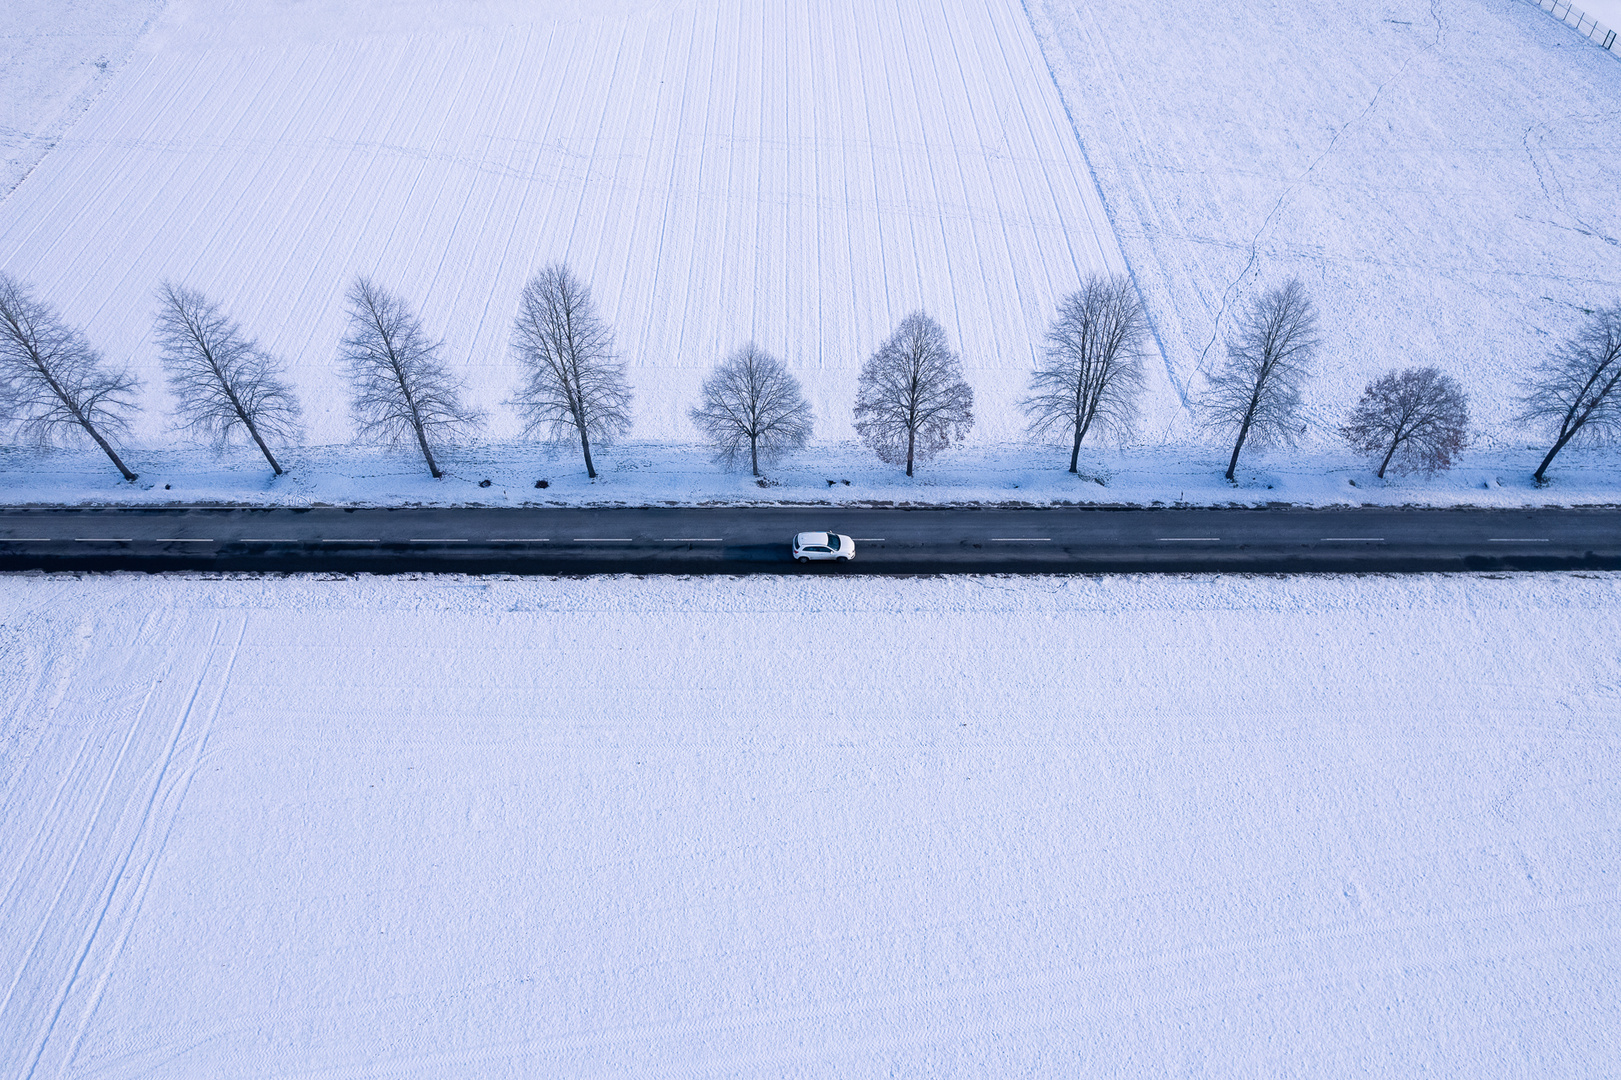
pixel 664 474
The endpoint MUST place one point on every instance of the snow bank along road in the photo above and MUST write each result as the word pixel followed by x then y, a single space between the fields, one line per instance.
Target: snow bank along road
pixel 731 540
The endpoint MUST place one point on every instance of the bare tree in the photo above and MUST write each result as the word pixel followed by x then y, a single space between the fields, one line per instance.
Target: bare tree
pixel 1418 417
pixel 752 402
pixel 573 383
pixel 1576 392
pixel 401 387
pixel 912 402
pixel 52 382
pixel 1257 391
pixel 222 378
pixel 1092 370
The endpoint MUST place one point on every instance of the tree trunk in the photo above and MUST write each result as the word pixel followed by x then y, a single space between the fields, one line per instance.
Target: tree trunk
pixel 754 453
pixel 911 441
pixel 265 450
pixel 107 448
pixel 1558 446
pixel 585 445
pixel 1243 433
pixel 1075 453
pixel 422 441
pixel 1385 464
pixel 73 406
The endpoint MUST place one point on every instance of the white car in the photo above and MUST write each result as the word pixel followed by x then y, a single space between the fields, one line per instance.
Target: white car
pixel 824 546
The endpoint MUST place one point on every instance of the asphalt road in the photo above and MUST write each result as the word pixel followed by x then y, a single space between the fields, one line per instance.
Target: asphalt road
pixel 735 540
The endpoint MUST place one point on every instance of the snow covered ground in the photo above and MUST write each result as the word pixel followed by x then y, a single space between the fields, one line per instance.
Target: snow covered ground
pixel 640 474
pixel 718 172
pixel 58 57
pixel 1440 173
pixel 773 827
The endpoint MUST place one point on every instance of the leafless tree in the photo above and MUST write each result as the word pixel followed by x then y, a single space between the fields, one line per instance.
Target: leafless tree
pixel 224 381
pixel 912 402
pixel 52 382
pixel 1417 417
pixel 573 385
pixel 1092 370
pixel 1576 392
pixel 1256 393
pixel 401 389
pixel 752 402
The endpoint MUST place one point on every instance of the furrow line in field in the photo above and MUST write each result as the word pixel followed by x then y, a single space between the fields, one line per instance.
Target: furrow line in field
pixel 191 173
pixel 229 247
pixel 925 107
pixel 859 79
pixel 536 148
pixel 224 176
pixel 479 272
pixel 431 183
pixel 476 149
pixel 66 175
pixel 670 191
pixel 972 161
pixel 972 82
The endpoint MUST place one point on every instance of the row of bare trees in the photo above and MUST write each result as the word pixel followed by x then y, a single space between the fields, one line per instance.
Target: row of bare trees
pixel 54 384
pixel 912 400
pixel 1416 419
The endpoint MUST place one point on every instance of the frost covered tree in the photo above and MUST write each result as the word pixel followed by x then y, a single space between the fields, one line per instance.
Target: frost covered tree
pixel 1092 370
pixel 1256 393
pixel 1576 392
pixel 52 383
pixel 401 389
pixel 1417 417
pixel 912 402
pixel 225 383
pixel 573 385
pixel 752 403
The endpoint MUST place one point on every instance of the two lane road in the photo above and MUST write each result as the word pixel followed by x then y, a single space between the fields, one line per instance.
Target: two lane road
pixel 729 540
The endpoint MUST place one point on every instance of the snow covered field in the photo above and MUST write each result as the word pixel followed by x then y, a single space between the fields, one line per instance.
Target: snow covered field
pixel 1440 173
pixel 803 176
pixel 1113 827
pixel 59 56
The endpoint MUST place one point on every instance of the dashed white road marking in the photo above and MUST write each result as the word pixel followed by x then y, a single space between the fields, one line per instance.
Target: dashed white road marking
pixel 267 540
pixel 519 540
pixel 103 540
pixel 438 540
pixel 868 539
pixel 1019 539
pixel 182 540
pixel 1185 539
pixel 694 539
pixel 1353 539
pixel 603 539
pixel 1518 540
pixel 25 539
pixel 348 540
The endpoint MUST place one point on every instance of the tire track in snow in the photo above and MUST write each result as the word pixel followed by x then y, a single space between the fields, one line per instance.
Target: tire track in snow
pixel 109 890
pixel 155 851
pixel 1295 185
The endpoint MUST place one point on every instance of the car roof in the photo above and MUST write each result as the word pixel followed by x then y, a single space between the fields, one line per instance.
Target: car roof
pixel 814 538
